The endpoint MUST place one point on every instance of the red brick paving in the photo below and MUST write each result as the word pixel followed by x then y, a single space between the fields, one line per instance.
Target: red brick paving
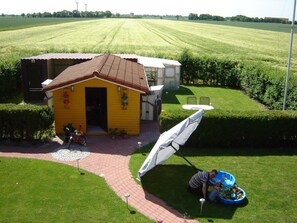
pixel 110 158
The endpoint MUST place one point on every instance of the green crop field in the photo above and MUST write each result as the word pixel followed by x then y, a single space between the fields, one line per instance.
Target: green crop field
pixel 160 38
pixel 13 23
pixel 277 27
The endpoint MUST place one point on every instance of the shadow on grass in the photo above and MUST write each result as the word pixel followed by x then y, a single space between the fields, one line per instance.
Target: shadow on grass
pixel 169 183
pixel 191 151
pixel 169 97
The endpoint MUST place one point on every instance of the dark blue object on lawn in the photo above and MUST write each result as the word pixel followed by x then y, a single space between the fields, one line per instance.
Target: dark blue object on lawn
pixel 227 179
pixel 237 201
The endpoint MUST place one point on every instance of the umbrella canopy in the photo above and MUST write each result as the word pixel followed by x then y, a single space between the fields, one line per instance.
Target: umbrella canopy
pixel 170 141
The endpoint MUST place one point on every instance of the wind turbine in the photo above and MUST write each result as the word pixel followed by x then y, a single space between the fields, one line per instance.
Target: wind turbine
pixel 76 2
pixel 290 56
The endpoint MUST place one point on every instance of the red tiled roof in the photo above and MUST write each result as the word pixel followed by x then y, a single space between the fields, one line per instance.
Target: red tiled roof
pixel 106 67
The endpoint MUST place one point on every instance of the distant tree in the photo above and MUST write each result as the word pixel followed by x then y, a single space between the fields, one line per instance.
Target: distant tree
pixel 23 15
pixel 99 14
pixel 218 18
pixel 108 14
pixel 46 14
pixel 193 16
pixel 84 14
pixel 241 18
pixel 76 14
pixel 63 14
pixel 205 17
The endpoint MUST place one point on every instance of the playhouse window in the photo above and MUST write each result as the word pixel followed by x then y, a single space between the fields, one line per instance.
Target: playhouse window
pixel 152 77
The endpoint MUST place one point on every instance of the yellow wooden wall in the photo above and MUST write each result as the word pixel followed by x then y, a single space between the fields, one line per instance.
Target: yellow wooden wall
pixel 117 117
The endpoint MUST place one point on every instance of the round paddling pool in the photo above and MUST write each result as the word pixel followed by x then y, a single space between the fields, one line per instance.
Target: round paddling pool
pixel 228 184
pixel 240 196
pixel 227 179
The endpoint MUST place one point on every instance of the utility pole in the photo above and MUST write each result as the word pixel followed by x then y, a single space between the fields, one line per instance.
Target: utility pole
pixel 76 1
pixel 290 56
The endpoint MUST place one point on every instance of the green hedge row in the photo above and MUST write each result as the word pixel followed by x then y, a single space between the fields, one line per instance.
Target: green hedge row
pixel 25 122
pixel 261 82
pixel 220 128
pixel 209 71
pixel 267 85
pixel 10 78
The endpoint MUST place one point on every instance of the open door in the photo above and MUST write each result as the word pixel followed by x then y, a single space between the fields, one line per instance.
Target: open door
pixel 96 109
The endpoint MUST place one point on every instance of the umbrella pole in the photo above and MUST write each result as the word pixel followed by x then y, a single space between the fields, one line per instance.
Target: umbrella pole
pixel 192 165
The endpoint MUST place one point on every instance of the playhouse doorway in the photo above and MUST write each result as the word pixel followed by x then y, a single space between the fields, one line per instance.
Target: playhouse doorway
pixel 96 109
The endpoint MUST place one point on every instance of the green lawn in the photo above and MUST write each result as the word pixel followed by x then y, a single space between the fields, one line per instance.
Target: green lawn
pixel 268 176
pixel 151 37
pixel 42 191
pixel 221 98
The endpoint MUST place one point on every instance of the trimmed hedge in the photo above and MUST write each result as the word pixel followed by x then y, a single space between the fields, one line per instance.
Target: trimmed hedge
pixel 261 82
pixel 209 71
pixel 267 85
pixel 220 128
pixel 10 78
pixel 25 121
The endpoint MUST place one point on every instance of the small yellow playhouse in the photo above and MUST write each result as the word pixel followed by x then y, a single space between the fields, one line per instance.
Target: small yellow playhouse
pixel 98 95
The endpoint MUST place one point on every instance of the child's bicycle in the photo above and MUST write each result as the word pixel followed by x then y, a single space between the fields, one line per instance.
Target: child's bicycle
pixel 77 137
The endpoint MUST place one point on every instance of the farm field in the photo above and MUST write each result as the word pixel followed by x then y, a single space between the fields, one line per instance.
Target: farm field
pixel 159 38
pixel 13 23
pixel 277 27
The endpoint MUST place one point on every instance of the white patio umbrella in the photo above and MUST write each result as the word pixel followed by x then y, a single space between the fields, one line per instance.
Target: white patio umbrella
pixel 170 141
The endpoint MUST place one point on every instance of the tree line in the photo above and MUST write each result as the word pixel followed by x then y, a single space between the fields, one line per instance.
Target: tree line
pixel 69 14
pixel 109 14
pixel 238 18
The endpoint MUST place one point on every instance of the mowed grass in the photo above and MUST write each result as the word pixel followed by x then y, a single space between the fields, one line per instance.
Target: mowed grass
pixel 159 38
pixel 267 176
pixel 221 98
pixel 42 191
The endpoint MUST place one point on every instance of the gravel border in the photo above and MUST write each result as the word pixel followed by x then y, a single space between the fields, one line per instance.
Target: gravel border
pixel 75 152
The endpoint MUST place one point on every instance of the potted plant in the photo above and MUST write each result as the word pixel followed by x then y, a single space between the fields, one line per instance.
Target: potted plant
pixel 124 100
pixel 113 132
pixel 124 133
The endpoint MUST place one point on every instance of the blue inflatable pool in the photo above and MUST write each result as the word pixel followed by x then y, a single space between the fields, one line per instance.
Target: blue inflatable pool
pixel 227 179
pixel 239 197
pixel 230 193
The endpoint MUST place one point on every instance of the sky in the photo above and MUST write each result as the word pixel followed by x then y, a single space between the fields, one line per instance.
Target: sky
pixel 225 8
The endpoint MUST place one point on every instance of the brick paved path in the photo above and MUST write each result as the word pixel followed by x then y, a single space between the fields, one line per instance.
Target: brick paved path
pixel 110 159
